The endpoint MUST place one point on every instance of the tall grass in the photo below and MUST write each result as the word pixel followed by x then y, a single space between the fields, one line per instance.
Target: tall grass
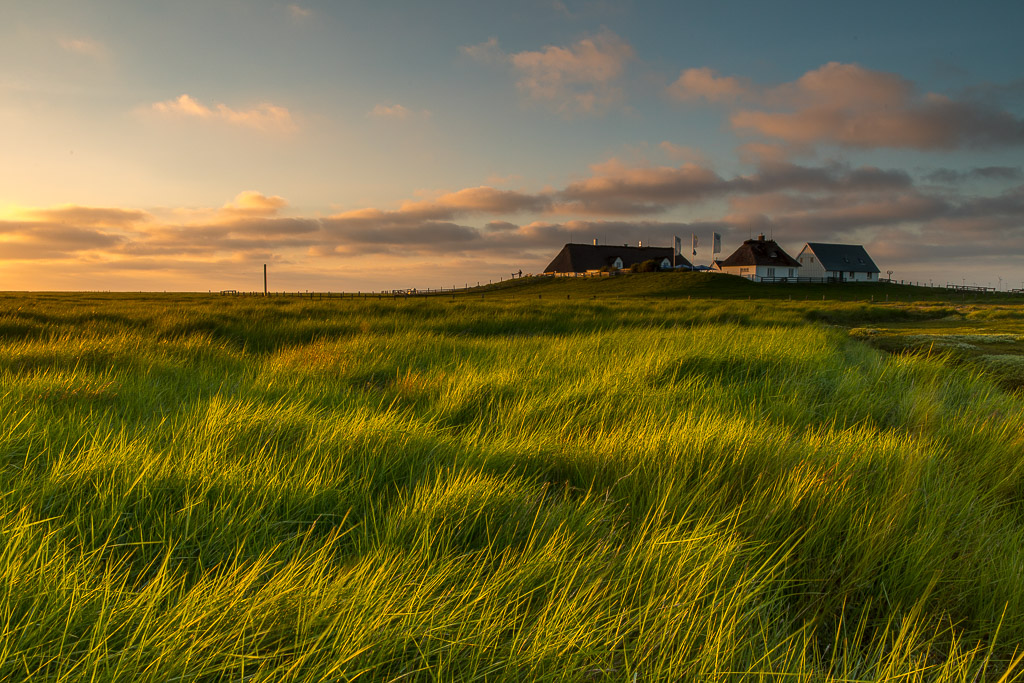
pixel 210 489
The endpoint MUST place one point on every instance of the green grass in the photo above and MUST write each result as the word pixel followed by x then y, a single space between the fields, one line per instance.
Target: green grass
pixel 719 286
pixel 988 339
pixel 210 488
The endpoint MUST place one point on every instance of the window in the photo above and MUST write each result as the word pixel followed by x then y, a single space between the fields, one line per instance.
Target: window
pixel 771 272
pixel 792 272
pixel 852 274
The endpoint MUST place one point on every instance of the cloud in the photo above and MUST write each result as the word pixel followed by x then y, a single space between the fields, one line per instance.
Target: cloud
pixel 42 239
pixel 500 226
pixel 488 51
pixel 765 152
pixel 298 12
pixel 264 117
pixel 833 177
pixel 704 83
pixel 425 236
pixel 87 216
pixel 252 203
pixel 952 176
pixel 396 112
pixel 618 189
pixel 239 238
pixel 837 219
pixel 852 106
pixel 580 78
pixel 848 105
pixel 683 153
pixel 484 200
pixel 426 226
pixel 615 203
pixel 85 47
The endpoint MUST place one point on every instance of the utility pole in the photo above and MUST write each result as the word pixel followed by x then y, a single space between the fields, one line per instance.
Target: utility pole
pixel 264 279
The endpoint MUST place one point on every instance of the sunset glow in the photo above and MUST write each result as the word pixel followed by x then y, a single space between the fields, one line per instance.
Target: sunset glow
pixel 359 146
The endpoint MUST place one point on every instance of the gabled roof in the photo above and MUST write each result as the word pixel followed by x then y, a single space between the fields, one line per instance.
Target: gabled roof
pixel 852 258
pixel 760 252
pixel 579 258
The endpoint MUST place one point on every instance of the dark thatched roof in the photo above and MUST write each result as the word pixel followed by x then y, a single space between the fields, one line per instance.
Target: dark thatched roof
pixel 852 258
pixel 579 258
pixel 760 252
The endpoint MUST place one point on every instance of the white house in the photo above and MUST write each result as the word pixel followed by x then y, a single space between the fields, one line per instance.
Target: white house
pixel 760 259
pixel 842 262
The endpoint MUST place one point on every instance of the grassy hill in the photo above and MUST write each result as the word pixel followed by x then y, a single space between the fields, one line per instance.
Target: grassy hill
pixel 540 488
pixel 719 286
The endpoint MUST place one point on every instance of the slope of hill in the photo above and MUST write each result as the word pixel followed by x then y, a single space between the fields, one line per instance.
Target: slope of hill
pixel 720 286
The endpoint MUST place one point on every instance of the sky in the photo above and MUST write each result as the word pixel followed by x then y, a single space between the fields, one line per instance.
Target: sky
pixel 386 145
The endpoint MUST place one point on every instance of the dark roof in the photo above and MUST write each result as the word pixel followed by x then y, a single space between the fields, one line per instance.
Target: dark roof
pixel 579 258
pixel 849 257
pixel 760 252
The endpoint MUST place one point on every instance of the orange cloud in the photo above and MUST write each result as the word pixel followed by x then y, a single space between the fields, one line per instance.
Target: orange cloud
pixel 703 83
pixel 184 106
pixel 265 117
pixel 483 200
pixel 41 239
pixel 396 112
pixel 252 203
pixel 579 78
pixel 87 216
pixel 86 47
pixel 623 190
pixel 683 153
pixel 833 202
pixel 851 106
pixel 765 153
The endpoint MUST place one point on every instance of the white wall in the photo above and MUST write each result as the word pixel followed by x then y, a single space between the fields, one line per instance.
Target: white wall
pixel 810 266
pixel 755 273
pixel 858 277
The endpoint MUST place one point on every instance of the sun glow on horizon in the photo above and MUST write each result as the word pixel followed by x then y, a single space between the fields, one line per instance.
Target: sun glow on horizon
pixel 354 142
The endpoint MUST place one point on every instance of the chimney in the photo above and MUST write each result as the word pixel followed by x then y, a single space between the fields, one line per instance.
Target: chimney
pixel 760 237
pixel 595 241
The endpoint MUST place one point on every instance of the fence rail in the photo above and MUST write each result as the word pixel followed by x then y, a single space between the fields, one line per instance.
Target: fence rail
pixel 973 288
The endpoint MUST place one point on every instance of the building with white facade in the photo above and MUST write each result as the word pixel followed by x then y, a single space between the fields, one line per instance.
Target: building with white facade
pixel 759 260
pixel 837 262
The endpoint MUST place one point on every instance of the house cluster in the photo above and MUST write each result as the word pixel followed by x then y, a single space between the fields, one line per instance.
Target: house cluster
pixel 760 259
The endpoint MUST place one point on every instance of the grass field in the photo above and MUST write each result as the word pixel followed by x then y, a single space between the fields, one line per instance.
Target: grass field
pixel 546 485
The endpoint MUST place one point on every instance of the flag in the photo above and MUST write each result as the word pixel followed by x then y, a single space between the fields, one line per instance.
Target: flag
pixel 694 244
pixel 717 247
pixel 677 244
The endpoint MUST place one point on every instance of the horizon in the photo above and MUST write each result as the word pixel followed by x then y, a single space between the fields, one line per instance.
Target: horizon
pixel 366 147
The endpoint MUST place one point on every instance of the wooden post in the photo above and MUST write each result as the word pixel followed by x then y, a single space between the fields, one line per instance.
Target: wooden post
pixel 264 279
